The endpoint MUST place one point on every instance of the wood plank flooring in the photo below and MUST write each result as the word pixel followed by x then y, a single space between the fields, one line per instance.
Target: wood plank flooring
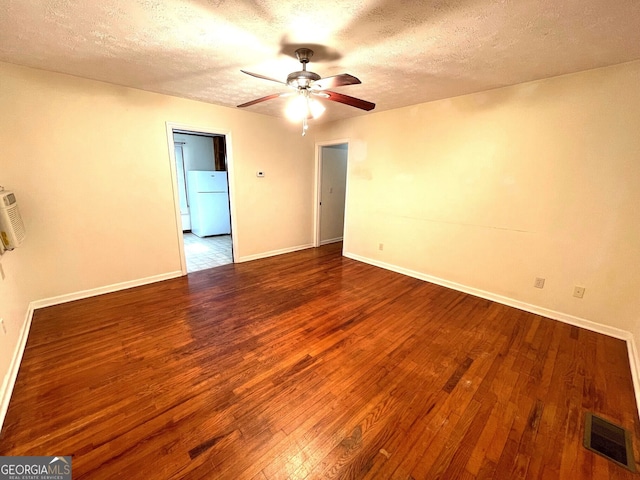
pixel 310 365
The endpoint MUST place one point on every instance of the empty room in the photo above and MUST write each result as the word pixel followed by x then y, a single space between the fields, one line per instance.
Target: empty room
pixel 431 212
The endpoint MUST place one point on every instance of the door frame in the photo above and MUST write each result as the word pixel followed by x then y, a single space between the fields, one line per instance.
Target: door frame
pixel 317 211
pixel 178 146
pixel 171 126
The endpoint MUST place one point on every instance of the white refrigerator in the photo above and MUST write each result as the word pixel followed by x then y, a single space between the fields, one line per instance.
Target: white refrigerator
pixel 208 203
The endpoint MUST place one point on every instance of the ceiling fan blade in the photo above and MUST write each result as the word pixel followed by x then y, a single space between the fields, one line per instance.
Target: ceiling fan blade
pixel 347 100
pixel 335 81
pixel 257 75
pixel 264 99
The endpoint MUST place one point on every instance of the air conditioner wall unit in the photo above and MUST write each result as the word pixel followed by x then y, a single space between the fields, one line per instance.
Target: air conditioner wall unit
pixel 12 232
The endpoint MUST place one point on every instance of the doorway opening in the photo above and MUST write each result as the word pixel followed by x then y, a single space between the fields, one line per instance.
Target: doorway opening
pixel 331 188
pixel 202 196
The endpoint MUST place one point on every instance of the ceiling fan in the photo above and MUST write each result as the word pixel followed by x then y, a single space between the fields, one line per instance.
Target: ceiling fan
pixel 308 85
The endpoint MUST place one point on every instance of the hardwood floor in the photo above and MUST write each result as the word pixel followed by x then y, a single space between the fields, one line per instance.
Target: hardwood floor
pixel 310 365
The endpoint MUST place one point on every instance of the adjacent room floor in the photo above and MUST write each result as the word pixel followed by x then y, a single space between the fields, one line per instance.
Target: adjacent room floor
pixel 208 252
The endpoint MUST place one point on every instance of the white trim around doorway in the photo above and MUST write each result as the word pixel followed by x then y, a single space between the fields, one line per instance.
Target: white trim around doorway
pixel 171 127
pixel 318 187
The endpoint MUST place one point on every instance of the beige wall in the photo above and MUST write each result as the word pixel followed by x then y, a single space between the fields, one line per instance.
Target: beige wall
pixel 493 189
pixel 89 163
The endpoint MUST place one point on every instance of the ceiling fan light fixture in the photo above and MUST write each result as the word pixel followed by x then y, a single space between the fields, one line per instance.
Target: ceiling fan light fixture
pixel 302 107
pixel 296 109
pixel 315 107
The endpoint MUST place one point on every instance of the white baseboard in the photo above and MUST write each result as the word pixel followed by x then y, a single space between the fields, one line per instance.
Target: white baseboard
pixel 10 378
pixel 12 375
pixel 527 307
pixel 634 359
pixel 272 253
pixel 634 364
pixel 331 240
pixel 70 297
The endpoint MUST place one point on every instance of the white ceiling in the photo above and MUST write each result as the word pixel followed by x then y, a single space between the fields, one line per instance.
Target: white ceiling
pixel 404 52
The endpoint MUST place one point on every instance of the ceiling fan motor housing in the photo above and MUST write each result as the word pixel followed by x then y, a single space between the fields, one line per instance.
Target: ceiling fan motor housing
pixel 302 79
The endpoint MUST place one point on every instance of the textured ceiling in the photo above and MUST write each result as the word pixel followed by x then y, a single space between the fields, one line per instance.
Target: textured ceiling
pixel 404 52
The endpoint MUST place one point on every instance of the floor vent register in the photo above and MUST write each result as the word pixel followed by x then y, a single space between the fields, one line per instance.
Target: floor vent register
pixel 609 440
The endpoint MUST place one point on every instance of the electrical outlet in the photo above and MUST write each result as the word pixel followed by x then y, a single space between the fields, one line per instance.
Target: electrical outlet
pixel 578 292
pixel 2 327
pixel 381 246
pixel 539 282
